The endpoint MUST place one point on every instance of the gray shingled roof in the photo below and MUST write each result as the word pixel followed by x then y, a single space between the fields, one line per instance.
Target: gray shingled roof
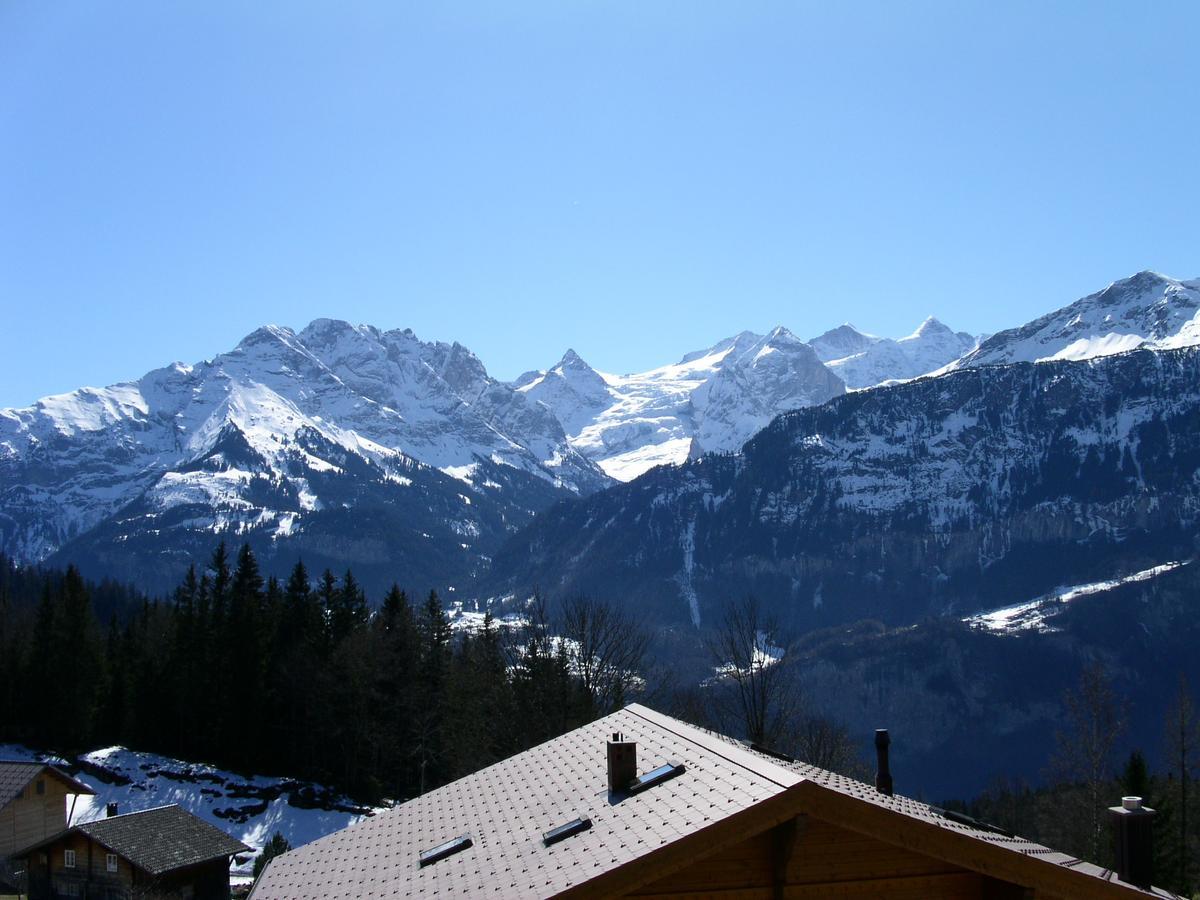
pixel 159 840
pixel 507 807
pixel 14 776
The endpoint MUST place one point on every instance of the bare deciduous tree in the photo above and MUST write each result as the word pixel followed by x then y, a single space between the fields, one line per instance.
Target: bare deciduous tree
pixel 606 647
pixel 1183 741
pixel 1094 718
pixel 764 694
pixel 825 743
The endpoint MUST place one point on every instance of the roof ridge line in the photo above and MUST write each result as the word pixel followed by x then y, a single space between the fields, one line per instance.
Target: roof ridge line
pixel 745 759
pixel 132 812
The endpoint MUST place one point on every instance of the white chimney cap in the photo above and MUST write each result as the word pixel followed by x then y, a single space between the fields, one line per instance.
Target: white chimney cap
pixel 1131 802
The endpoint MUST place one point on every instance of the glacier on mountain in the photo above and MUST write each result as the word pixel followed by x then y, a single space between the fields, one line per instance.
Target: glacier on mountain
pixel 885 361
pixel 711 400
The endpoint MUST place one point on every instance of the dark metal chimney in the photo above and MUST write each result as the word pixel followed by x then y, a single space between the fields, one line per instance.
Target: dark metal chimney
pixel 1133 834
pixel 622 763
pixel 883 775
pixel 111 810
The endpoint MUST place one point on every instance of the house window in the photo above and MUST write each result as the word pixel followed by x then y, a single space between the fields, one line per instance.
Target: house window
pixel 110 862
pixel 68 859
pixel 41 786
pixel 71 889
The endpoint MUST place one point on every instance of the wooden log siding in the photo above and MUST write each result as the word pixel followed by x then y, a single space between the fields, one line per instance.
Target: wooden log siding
pixel 33 817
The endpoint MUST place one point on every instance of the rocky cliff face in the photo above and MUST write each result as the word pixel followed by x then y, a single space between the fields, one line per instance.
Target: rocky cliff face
pixel 938 496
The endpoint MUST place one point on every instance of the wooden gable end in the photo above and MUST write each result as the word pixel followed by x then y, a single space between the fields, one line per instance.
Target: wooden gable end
pixel 811 858
pixel 33 815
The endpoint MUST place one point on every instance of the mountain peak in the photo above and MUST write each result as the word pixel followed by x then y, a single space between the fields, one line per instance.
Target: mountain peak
pixel 932 325
pixel 1144 309
pixel 571 360
pixel 740 342
pixel 266 334
pixel 1137 283
pixel 781 335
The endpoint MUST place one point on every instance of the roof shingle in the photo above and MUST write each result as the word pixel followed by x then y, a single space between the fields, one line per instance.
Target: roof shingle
pixel 508 807
pixel 163 839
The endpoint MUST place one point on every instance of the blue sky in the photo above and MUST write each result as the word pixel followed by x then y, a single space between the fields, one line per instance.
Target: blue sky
pixel 633 180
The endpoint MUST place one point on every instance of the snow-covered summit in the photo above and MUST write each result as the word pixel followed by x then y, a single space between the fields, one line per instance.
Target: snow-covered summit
pixel 883 360
pixel 1144 310
pixel 712 399
pixel 294 404
pixel 572 390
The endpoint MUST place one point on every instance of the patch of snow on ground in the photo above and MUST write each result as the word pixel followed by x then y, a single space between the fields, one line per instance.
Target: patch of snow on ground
pixel 765 654
pixel 629 465
pixel 250 808
pixel 1032 615
pixel 462 473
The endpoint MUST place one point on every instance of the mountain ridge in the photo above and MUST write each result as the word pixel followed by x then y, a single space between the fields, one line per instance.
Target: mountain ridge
pixel 895 502
pixel 288 437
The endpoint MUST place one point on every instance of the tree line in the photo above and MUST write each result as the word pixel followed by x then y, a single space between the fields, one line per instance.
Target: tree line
pixel 300 676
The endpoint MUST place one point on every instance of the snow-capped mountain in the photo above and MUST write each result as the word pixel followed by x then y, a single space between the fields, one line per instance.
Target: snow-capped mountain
pixel 711 400
pixel 355 447
pixel 941 495
pixel 775 374
pixel 1144 310
pixel 882 360
pixel 285 429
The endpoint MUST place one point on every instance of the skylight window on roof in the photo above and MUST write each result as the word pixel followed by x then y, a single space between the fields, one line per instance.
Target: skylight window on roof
pixel 562 832
pixel 441 851
pixel 656 776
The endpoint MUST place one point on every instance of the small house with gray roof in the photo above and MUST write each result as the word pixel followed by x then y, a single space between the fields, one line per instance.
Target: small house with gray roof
pixel 638 804
pixel 161 852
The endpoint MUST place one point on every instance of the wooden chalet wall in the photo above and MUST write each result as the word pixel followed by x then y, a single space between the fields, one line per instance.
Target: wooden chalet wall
pixel 808 858
pixel 33 817
pixel 50 878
